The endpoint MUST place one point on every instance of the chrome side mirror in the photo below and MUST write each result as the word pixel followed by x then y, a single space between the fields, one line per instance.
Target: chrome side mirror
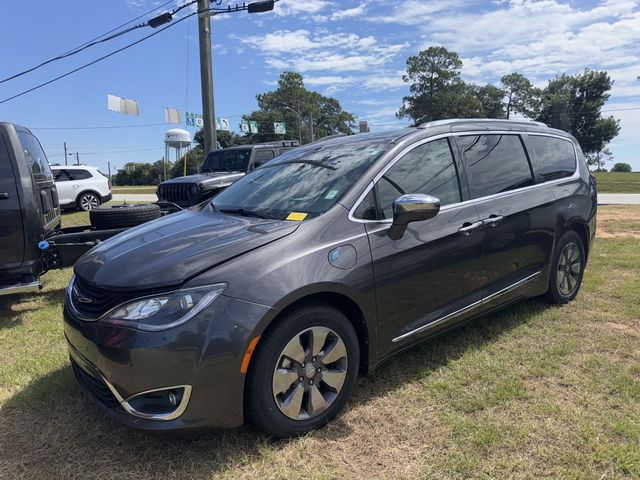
pixel 413 207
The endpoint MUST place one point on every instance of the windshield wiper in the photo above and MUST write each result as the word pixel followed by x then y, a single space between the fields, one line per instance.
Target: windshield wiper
pixel 247 213
pixel 313 163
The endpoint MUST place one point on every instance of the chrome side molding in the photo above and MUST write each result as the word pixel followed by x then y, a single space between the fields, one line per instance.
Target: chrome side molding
pixel 470 307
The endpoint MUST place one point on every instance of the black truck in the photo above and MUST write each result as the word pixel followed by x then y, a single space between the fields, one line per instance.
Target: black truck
pixel 220 169
pixel 32 240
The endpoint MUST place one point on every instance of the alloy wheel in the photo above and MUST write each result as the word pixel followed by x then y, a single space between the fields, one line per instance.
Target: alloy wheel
pixel 310 373
pixel 569 269
pixel 89 201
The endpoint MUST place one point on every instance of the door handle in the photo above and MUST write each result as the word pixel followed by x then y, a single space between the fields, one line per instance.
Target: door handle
pixel 4 196
pixel 468 228
pixel 492 221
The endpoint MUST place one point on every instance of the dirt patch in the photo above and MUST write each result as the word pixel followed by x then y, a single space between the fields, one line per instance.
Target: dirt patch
pixel 618 221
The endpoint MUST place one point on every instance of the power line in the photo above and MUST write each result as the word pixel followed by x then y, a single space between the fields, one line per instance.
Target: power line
pixel 90 43
pixel 237 8
pixel 104 57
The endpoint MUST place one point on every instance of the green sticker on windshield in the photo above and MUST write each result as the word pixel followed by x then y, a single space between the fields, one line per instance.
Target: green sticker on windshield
pixel 331 195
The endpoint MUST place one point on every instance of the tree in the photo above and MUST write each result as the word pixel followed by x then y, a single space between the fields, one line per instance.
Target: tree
pixel 573 103
pixel 621 167
pixel 491 99
pixel 599 159
pixel 437 90
pixel 141 173
pixel 521 95
pixel 296 106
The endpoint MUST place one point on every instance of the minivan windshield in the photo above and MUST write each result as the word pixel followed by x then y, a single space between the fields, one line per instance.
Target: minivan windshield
pixel 299 184
pixel 231 160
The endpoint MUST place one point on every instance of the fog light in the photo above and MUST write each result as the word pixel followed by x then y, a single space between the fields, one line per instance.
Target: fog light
pixel 160 404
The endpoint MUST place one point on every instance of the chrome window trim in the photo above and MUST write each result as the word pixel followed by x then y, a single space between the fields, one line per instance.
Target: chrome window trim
pixel 400 155
pixel 483 301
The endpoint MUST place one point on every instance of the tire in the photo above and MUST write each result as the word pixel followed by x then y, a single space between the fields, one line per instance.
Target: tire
pixel 565 278
pixel 123 216
pixel 88 201
pixel 284 410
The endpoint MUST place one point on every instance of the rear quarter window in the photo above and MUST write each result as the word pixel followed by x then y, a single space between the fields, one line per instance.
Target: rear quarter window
pixel 551 157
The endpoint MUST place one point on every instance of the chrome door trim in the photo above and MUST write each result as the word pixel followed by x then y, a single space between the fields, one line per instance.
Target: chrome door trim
pixel 473 305
pixel 395 159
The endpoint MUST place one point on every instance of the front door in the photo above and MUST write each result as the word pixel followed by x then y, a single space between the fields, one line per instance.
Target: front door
pixel 428 278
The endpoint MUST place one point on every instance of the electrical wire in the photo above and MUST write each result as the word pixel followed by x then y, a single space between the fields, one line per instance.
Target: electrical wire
pixel 94 41
pixel 215 11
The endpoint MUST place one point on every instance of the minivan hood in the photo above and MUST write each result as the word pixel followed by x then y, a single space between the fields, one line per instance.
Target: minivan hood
pixel 169 251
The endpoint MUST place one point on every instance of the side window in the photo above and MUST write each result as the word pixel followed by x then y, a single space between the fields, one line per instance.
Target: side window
pixel 494 164
pixel 60 176
pixel 551 158
pixel 80 174
pixel 262 156
pixel 367 210
pixel 33 154
pixel 428 169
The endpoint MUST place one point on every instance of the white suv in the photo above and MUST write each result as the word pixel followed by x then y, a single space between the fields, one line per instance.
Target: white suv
pixel 81 187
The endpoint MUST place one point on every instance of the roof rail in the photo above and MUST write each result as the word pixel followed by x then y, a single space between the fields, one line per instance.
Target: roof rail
pixel 451 121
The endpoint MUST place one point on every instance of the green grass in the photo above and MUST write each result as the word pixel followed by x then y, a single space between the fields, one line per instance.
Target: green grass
pixel 133 190
pixel 532 391
pixel 616 182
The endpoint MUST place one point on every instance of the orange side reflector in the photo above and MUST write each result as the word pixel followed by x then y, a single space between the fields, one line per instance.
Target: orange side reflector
pixel 247 356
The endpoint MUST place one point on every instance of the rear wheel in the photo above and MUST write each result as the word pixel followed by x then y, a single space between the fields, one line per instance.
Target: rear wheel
pixel 567 269
pixel 303 372
pixel 88 201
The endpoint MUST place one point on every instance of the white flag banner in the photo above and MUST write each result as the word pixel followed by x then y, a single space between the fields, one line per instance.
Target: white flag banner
pixel 172 115
pixel 224 125
pixel 123 105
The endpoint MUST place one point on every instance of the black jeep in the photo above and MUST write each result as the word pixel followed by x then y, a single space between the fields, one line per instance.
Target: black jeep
pixel 221 169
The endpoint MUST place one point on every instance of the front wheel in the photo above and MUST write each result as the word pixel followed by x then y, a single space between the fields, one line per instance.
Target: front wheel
pixel 303 372
pixel 567 269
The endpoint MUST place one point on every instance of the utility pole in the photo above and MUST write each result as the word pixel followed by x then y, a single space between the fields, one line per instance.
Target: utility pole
pixel 77 158
pixel 109 169
pixel 206 77
pixel 65 153
pixel 311 134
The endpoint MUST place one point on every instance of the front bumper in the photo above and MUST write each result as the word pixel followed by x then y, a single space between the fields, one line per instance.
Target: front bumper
pixel 112 364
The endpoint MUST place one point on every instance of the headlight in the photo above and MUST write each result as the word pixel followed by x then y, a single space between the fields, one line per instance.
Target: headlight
pixel 161 312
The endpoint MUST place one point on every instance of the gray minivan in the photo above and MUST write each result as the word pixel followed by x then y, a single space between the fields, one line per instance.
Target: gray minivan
pixel 264 304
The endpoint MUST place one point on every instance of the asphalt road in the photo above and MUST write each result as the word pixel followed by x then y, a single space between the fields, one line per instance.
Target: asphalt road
pixel 619 199
pixel 603 198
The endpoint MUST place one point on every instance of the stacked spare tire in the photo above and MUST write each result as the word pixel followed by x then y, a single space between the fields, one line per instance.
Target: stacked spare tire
pixel 123 216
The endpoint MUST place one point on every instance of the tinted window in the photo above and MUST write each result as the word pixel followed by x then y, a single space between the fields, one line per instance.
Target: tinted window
pixel 231 160
pixel 80 174
pixel 494 164
pixel 552 157
pixel 33 154
pixel 61 176
pixel 262 156
pixel 307 180
pixel 427 169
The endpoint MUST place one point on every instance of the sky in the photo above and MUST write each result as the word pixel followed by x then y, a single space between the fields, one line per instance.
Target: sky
pixel 355 51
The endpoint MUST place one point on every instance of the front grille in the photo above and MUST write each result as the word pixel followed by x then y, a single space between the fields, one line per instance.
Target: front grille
pixel 95 386
pixel 93 302
pixel 176 193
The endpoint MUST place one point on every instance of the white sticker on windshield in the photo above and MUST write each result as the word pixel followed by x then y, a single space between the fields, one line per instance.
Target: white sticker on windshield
pixel 331 195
